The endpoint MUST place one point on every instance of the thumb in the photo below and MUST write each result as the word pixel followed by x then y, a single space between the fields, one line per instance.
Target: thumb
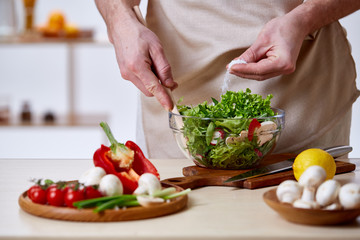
pixel 254 53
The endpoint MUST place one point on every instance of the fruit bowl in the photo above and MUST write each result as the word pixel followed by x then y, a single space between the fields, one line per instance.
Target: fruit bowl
pixel 227 143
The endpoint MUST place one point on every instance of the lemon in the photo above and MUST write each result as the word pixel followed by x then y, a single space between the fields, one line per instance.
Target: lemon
pixel 314 156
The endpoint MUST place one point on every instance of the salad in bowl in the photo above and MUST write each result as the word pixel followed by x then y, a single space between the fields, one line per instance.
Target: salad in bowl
pixel 236 132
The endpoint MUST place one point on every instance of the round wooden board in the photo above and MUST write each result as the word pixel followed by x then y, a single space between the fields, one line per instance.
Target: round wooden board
pixel 309 216
pixel 87 215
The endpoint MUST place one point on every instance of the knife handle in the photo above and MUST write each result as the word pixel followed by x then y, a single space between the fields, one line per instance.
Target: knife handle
pixel 202 180
pixel 338 151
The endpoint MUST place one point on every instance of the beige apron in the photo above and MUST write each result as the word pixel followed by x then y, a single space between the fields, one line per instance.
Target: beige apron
pixel 201 37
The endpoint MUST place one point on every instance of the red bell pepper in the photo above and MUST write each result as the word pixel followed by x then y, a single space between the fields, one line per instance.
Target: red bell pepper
pixel 141 164
pixel 130 172
pixel 252 126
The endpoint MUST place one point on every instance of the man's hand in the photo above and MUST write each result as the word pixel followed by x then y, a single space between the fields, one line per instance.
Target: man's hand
pixel 274 52
pixel 139 53
pixel 277 47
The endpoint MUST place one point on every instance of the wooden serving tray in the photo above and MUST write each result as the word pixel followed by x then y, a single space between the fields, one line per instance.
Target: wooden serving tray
pixel 87 215
pixel 195 177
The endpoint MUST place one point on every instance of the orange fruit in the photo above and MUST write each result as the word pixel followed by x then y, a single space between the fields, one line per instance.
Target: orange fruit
pixel 56 20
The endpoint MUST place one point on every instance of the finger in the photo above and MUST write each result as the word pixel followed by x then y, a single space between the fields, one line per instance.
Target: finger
pixel 152 85
pixel 254 53
pixel 138 83
pixel 146 81
pixel 271 66
pixel 161 66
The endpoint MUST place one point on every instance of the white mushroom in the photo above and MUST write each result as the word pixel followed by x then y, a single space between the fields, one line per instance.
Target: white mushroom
pixel 148 184
pixel 264 132
pixel 311 178
pixel 149 201
pixel 334 206
pixel 92 176
pixel 349 196
pixel 327 192
pixel 110 185
pixel 305 204
pixel 288 191
pixel 234 139
pixel 243 135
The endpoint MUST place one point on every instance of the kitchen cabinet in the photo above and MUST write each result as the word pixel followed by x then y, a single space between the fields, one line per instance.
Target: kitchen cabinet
pixel 71 118
pixel 70 128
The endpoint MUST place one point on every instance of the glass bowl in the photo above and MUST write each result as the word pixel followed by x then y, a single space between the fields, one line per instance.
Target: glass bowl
pixel 227 143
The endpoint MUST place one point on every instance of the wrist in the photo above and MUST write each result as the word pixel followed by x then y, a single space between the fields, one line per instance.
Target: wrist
pixel 301 19
pixel 118 15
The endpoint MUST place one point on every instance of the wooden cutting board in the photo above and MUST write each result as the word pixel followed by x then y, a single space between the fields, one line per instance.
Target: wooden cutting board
pixel 195 177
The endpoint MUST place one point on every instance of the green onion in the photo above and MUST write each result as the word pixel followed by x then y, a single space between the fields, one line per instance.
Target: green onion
pixel 164 192
pixel 177 194
pixel 127 200
pixel 121 201
pixel 96 201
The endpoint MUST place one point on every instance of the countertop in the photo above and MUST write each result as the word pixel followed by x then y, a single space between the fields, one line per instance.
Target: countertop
pixel 211 213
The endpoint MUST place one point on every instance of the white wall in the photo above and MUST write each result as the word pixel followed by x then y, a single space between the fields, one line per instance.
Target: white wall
pixel 38 73
pixel 351 23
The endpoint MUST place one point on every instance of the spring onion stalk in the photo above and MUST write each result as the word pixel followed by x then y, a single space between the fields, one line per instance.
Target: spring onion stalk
pixel 177 194
pixel 164 192
pixel 127 200
pixel 115 202
pixel 98 201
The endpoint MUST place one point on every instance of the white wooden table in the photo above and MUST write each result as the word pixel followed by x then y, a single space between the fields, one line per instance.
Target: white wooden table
pixel 212 212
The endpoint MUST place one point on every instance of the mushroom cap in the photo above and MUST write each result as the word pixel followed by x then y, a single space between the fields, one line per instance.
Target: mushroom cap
pixel 327 192
pixel 148 184
pixel 312 177
pixel 92 176
pixel 349 196
pixel 110 185
pixel 288 191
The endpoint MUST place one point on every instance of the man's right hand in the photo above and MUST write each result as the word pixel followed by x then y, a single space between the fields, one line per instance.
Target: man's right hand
pixel 139 53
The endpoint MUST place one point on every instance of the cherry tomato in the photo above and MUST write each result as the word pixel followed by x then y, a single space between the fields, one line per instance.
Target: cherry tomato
pixel 37 194
pixel 31 190
pixel 51 187
pixel 253 125
pixel 73 195
pixel 55 196
pixel 91 192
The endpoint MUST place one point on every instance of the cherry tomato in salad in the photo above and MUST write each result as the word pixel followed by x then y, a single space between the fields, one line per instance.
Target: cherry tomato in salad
pixel 253 125
pixel 91 192
pixel 55 197
pixel 37 194
pixel 73 195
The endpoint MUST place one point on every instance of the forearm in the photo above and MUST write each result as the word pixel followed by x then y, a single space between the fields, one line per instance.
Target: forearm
pixel 314 14
pixel 117 13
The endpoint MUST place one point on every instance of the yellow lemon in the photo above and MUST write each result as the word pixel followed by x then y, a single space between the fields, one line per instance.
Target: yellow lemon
pixel 314 156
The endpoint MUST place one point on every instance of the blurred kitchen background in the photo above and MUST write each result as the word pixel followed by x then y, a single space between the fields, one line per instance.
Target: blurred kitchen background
pixel 55 90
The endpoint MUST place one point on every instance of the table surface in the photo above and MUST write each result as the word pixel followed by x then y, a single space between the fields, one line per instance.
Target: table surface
pixel 211 213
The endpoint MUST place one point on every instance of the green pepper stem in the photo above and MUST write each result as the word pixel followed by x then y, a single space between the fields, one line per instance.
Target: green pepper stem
pixel 110 136
pixel 108 133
